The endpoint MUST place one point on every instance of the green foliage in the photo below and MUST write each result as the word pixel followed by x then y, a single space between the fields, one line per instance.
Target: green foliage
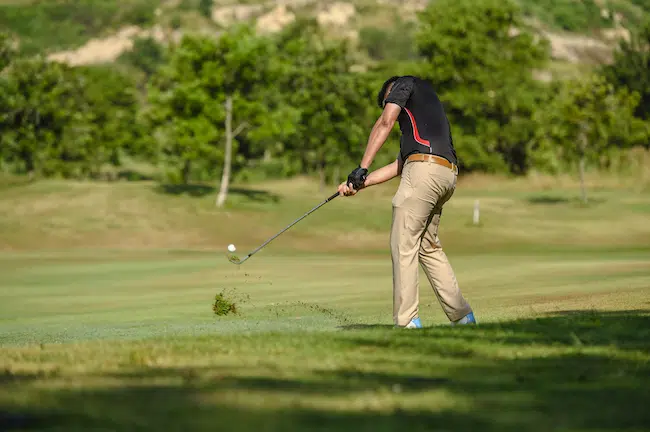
pixel 299 108
pixel 631 67
pixel 39 102
pixel 8 50
pixel 585 16
pixel 188 96
pixel 483 74
pixel 395 43
pixel 567 15
pixel 644 4
pixel 587 121
pixel 48 25
pixel 205 7
pixel 146 55
pixel 336 106
pixel 60 120
pixel 114 122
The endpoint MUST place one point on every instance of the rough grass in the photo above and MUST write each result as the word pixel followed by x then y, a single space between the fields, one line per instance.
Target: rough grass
pixel 106 317
pixel 568 371
pixel 522 213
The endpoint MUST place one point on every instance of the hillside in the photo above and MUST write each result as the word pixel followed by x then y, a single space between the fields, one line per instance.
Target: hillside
pixel 96 31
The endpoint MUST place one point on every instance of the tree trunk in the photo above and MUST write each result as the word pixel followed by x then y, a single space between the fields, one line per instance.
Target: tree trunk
pixel 581 164
pixel 225 178
pixel 185 172
pixel 321 171
pixel 581 168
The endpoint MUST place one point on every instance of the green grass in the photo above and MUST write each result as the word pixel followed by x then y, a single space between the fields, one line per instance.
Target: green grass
pixel 106 317
pixel 69 297
pixel 129 341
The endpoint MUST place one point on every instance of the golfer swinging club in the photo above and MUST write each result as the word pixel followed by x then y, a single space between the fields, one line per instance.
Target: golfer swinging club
pixel 427 164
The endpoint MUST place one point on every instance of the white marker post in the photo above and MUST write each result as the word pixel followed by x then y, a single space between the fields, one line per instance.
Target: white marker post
pixel 476 212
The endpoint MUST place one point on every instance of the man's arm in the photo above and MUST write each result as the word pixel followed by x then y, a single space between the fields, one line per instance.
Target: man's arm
pixel 379 176
pixel 393 104
pixel 383 174
pixel 379 133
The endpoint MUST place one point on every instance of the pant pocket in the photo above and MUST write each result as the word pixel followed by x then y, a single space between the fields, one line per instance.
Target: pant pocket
pixel 404 192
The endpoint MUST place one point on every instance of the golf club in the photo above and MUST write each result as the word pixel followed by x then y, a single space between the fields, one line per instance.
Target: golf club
pixel 235 260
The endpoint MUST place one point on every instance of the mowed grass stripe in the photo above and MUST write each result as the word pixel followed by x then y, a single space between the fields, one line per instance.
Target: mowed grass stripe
pixel 269 295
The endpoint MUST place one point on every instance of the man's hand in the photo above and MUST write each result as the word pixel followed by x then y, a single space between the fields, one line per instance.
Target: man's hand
pixel 345 190
pixel 382 175
pixel 357 178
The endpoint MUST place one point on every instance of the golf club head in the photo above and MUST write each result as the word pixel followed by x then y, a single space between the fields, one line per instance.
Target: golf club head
pixel 235 259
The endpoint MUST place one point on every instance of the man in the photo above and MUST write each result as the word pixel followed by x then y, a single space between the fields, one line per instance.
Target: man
pixel 427 165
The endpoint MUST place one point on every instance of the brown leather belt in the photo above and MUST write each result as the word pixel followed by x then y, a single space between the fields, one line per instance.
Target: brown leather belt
pixel 422 157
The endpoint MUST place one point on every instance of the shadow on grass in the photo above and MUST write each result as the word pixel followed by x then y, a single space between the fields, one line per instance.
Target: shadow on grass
pixel 8 377
pixel 199 190
pixel 133 175
pixel 547 199
pixel 367 327
pixel 621 329
pixel 568 371
pixel 16 420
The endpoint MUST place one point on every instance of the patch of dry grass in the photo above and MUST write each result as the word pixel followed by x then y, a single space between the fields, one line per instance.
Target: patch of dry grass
pixel 537 210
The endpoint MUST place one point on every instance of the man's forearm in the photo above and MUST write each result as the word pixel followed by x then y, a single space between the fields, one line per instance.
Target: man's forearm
pixel 382 175
pixel 377 138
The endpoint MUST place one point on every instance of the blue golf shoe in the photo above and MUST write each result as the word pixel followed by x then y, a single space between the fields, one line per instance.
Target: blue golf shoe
pixel 467 319
pixel 415 323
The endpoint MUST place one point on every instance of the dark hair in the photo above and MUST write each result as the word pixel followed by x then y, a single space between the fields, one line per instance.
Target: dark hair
pixel 382 93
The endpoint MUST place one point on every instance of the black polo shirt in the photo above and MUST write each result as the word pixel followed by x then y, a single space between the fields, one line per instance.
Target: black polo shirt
pixel 423 121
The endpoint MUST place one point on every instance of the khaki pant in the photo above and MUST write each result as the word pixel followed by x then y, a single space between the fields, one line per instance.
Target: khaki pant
pixel 417 206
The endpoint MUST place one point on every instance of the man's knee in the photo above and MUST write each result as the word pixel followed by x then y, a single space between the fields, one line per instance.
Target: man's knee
pixel 430 245
pixel 429 252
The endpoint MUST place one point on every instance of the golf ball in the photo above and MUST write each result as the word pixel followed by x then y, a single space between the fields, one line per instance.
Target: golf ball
pixel 232 248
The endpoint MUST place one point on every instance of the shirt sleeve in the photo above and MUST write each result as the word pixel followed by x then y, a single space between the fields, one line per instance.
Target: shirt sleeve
pixel 401 91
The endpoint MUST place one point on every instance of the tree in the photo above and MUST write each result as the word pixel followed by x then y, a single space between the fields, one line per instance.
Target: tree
pixel 38 106
pixel 631 68
pixel 586 121
pixel 247 68
pixel 8 50
pixel 146 55
pixel 205 7
pixel 182 114
pixel 336 105
pixel 190 95
pixel 60 120
pixel 480 56
pixel 110 126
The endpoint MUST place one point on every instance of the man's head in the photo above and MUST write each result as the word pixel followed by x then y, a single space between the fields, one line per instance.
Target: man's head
pixel 385 89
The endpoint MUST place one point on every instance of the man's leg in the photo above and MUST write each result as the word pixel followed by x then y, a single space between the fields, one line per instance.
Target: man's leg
pixel 438 269
pixel 412 205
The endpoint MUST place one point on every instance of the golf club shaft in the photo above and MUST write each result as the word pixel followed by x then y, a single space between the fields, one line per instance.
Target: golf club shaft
pixel 294 222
